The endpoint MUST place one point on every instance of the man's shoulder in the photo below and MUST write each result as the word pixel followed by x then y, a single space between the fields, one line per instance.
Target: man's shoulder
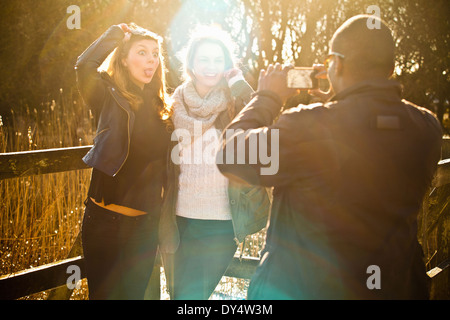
pixel 302 117
pixel 421 112
pixel 419 109
pixel 314 108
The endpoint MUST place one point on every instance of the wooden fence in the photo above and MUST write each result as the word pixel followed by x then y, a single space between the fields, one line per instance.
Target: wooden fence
pixel 55 275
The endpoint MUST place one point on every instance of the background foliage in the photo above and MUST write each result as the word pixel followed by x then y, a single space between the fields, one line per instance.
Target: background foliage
pixel 38 51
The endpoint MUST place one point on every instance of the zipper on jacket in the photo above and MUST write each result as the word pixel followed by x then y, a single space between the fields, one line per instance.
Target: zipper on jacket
pixel 129 133
pixel 104 130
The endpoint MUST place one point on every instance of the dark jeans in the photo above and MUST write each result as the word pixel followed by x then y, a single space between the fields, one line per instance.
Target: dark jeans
pixel 119 253
pixel 205 251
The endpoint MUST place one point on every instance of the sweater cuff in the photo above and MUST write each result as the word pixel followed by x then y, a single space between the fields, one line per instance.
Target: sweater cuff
pixel 235 79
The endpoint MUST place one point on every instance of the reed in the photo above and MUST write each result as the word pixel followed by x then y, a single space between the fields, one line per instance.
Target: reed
pixel 41 215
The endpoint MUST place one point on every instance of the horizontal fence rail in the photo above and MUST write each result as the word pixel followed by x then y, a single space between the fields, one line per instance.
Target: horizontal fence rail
pixel 38 279
pixel 53 275
pixel 29 163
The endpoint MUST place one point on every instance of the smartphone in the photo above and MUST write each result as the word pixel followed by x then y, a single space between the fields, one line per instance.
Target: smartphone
pixel 302 78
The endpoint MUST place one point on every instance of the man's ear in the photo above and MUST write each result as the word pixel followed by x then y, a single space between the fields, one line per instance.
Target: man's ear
pixel 339 66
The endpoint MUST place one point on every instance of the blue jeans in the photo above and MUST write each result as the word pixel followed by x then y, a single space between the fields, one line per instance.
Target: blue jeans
pixel 205 251
pixel 119 253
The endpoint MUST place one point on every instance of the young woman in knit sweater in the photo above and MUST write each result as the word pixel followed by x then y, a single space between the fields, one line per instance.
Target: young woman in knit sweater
pixel 212 94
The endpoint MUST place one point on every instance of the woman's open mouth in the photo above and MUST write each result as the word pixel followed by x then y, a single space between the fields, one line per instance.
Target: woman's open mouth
pixel 148 72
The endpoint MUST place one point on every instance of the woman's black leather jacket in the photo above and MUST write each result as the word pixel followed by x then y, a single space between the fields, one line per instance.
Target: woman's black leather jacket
pixel 115 117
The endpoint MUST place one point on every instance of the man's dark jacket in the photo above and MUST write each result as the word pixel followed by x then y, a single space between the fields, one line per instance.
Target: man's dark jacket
pixel 352 176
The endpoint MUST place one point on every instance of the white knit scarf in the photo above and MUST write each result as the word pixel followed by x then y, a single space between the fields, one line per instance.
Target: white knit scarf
pixel 190 108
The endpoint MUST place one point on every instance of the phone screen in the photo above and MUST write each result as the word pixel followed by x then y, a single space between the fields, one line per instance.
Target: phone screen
pixel 302 78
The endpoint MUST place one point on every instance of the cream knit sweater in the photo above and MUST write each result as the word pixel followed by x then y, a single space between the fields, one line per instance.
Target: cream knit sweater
pixel 203 190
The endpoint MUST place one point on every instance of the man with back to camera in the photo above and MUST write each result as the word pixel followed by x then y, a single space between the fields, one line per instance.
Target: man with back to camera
pixel 352 176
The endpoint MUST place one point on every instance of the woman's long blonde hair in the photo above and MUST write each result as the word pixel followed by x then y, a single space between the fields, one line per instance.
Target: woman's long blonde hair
pixel 121 76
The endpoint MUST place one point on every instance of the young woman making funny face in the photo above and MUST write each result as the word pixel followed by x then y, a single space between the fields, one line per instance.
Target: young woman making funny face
pixel 142 61
pixel 208 67
pixel 128 161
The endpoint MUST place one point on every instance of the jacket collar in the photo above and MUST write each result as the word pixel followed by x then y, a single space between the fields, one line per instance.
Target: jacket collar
pixel 382 86
pixel 121 100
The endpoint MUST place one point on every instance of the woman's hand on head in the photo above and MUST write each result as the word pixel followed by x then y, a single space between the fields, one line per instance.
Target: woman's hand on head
pixel 231 73
pixel 126 30
pixel 124 27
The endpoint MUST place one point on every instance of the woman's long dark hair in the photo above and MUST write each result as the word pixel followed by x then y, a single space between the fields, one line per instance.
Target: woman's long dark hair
pixel 121 77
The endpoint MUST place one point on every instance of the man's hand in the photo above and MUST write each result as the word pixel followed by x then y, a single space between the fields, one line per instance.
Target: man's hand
pixel 321 74
pixel 274 79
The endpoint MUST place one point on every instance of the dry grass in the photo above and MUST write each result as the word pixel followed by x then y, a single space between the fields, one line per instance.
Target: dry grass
pixel 41 215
